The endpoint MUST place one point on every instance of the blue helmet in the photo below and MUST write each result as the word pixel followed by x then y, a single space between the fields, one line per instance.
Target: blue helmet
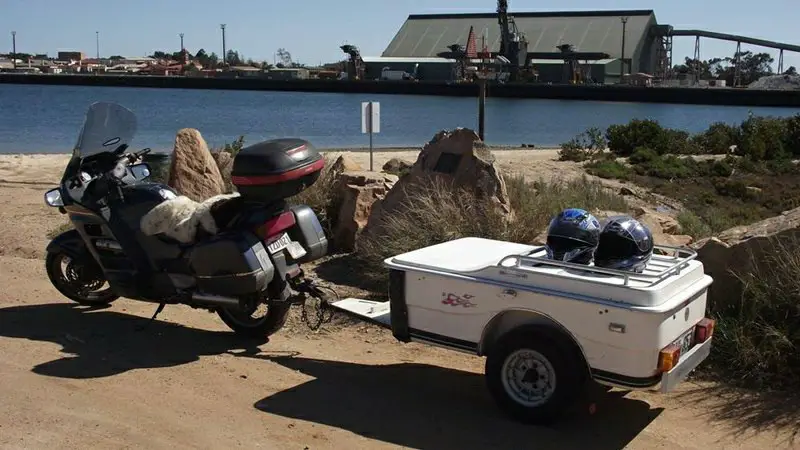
pixel 572 236
pixel 625 244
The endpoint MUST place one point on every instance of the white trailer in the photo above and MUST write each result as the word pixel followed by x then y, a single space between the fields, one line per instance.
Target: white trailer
pixel 548 327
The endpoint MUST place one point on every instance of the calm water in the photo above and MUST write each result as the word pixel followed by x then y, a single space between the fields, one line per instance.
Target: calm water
pixel 46 119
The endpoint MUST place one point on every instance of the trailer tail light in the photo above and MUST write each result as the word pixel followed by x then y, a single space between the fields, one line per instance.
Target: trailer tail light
pixel 668 357
pixel 704 330
pixel 272 229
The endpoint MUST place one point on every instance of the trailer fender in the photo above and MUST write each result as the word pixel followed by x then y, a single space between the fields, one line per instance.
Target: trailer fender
pixel 506 321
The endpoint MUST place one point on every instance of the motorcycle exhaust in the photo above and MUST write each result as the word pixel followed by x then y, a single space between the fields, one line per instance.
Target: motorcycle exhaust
pixel 216 300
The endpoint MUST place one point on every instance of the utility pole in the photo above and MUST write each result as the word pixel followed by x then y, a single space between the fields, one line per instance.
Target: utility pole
pixel 181 35
pixel 224 50
pixel 97 44
pixel 624 21
pixel 14 48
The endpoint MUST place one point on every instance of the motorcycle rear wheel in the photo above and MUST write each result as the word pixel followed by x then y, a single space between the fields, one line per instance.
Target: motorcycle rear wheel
pixel 245 325
pixel 77 281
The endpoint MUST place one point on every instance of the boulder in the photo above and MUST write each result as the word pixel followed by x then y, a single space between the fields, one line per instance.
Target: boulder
pixel 397 166
pixel 193 171
pixel 656 221
pixel 741 249
pixel 356 192
pixel 457 157
pixel 224 162
pixel 344 163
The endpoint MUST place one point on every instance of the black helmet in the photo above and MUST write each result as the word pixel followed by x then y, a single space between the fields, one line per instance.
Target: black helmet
pixel 572 236
pixel 625 244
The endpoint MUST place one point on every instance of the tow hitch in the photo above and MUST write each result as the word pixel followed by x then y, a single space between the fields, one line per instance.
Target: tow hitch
pixel 316 308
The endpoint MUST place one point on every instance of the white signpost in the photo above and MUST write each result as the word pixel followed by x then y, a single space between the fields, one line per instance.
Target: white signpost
pixel 370 123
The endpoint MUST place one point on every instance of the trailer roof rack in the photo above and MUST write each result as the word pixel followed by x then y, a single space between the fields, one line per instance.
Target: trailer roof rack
pixel 666 261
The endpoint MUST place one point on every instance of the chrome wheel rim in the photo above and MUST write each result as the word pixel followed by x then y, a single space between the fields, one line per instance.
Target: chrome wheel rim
pixel 528 377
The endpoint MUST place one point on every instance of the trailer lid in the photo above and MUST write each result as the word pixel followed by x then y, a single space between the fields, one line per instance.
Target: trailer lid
pixel 460 255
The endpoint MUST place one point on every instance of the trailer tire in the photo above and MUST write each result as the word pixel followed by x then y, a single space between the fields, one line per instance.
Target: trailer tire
pixel 539 353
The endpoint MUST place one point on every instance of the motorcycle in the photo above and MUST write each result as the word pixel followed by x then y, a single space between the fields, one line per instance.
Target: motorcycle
pixel 232 255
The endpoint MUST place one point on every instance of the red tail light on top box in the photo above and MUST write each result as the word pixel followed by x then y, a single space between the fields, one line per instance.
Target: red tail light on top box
pixel 271 171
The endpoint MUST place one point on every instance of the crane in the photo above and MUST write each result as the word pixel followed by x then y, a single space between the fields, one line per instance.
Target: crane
pixel 513 44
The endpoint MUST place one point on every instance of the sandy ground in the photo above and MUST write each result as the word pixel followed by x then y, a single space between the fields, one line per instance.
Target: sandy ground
pixel 74 378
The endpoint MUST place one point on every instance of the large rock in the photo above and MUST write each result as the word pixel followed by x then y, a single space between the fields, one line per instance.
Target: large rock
pixel 356 192
pixel 224 162
pixel 742 249
pixel 344 163
pixel 397 166
pixel 193 171
pixel 458 157
pixel 657 221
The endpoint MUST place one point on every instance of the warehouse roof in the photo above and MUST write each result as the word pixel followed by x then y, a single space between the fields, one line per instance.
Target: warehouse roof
pixel 426 35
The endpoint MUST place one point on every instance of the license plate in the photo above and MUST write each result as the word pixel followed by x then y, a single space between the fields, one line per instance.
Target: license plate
pixel 279 244
pixel 686 342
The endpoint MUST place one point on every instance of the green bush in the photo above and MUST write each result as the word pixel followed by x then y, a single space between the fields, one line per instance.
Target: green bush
pixel 583 147
pixel 233 147
pixel 717 139
pixel 792 143
pixel 764 138
pixel 624 139
pixel 642 155
pixel 693 225
pixel 611 169
pixel 668 167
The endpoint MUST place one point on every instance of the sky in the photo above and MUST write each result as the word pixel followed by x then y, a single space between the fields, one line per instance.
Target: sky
pixel 313 30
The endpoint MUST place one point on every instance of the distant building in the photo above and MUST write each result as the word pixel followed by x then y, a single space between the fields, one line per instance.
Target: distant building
pixel 596 34
pixel 71 56
pixel 288 73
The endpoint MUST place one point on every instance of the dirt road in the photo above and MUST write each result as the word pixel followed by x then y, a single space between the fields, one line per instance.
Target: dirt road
pixel 75 378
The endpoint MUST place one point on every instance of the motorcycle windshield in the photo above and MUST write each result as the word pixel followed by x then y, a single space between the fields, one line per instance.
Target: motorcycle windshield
pixel 107 126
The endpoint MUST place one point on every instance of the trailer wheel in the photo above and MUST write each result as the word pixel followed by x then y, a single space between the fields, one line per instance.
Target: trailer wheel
pixel 532 377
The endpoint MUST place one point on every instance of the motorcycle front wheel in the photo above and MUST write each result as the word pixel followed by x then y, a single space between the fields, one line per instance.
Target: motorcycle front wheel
pixel 78 281
pixel 251 323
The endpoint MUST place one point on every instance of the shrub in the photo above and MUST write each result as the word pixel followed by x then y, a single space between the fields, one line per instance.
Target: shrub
pixel 584 146
pixel 233 147
pixel 624 139
pixel 763 138
pixel 609 169
pixel 792 142
pixel 642 155
pixel 668 167
pixel 717 139
pixel 757 335
pixel 439 213
pixel 693 225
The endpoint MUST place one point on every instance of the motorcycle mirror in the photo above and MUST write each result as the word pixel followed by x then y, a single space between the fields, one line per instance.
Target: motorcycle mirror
pixel 53 198
pixel 140 171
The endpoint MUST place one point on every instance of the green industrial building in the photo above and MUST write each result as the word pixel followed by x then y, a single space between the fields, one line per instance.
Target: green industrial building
pixel 596 35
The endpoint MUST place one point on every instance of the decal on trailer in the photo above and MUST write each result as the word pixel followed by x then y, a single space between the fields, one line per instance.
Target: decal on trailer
pixel 458 300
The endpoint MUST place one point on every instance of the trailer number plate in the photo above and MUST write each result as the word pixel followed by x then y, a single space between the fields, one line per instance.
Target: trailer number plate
pixel 686 342
pixel 279 244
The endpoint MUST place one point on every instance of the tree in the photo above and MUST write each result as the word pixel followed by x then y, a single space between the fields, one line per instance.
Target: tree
pixel 213 60
pixel 751 67
pixel 792 70
pixel 233 58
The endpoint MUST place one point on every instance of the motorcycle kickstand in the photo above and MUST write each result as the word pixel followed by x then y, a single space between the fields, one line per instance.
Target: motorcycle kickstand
pixel 152 319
